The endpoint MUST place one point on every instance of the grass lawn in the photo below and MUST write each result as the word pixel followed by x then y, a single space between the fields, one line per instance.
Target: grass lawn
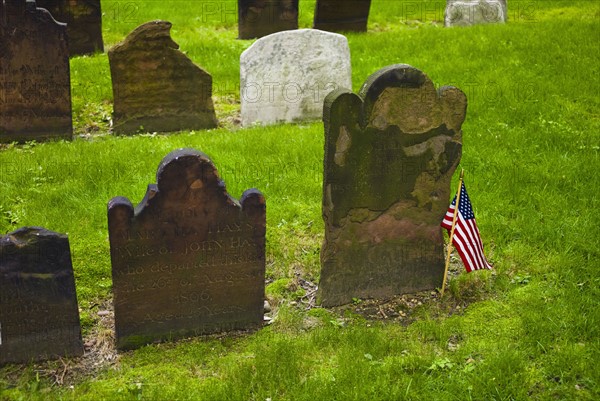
pixel 527 330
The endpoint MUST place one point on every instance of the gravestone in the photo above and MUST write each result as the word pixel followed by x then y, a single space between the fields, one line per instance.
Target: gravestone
pixel 156 87
pixel 84 23
pixel 258 18
pixel 39 317
pixel 189 259
pixel 390 152
pixel 35 88
pixel 342 15
pixel 286 76
pixel 474 12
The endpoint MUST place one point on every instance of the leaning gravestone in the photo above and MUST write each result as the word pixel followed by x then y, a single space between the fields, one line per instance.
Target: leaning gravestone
pixel 474 12
pixel 189 259
pixel 155 86
pixel 342 15
pixel 84 23
pixel 258 18
pixel 389 157
pixel 35 89
pixel 286 76
pixel 39 317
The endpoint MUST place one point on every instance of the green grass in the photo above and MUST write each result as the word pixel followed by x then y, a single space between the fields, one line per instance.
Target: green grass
pixel 531 155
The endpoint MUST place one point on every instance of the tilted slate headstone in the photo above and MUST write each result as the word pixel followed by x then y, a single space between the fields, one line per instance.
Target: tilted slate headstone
pixel 39 317
pixel 258 18
pixel 390 152
pixel 342 15
pixel 84 23
pixel 155 86
pixel 474 12
pixel 286 76
pixel 35 88
pixel 189 259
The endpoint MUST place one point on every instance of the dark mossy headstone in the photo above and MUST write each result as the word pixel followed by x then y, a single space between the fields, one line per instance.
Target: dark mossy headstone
pixel 39 316
pixel 342 15
pixel 189 259
pixel 258 18
pixel 35 87
pixel 156 87
pixel 390 152
pixel 84 23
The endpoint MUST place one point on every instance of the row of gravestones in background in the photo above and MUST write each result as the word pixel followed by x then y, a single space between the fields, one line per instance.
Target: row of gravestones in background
pixel 257 18
pixel 157 87
pixel 189 259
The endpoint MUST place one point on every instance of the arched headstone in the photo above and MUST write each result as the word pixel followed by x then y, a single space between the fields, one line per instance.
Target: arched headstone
pixel 189 259
pixel 390 152
pixel 284 77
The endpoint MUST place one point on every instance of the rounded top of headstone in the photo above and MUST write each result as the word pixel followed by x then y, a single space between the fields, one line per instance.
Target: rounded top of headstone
pixel 404 96
pixel 310 36
pixel 397 75
pixel 183 168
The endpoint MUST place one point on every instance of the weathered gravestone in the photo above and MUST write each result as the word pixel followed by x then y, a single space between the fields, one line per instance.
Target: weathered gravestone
pixel 84 23
pixel 474 12
pixel 389 157
pixel 155 86
pixel 190 259
pixel 286 76
pixel 39 317
pixel 342 15
pixel 35 88
pixel 258 18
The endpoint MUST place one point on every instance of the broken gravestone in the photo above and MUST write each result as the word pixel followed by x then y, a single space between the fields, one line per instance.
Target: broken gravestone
pixel 342 15
pixel 35 88
pixel 286 76
pixel 84 23
pixel 156 87
pixel 474 12
pixel 258 18
pixel 39 317
pixel 189 260
pixel 390 152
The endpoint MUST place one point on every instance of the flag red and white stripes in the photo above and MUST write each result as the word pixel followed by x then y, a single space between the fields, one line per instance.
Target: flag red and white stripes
pixel 466 239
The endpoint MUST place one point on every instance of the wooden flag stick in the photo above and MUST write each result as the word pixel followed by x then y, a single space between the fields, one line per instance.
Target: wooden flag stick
pixel 460 183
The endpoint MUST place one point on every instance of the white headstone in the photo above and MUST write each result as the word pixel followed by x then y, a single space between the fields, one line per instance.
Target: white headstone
pixel 286 76
pixel 474 12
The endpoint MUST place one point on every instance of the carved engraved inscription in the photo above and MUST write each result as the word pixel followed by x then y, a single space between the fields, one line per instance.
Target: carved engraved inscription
pixel 189 259
pixel 35 94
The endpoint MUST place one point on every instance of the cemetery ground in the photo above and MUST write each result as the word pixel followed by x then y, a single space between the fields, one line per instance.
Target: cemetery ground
pixel 529 329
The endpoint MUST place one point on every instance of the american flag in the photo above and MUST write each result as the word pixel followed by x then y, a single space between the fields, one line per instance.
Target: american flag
pixel 466 234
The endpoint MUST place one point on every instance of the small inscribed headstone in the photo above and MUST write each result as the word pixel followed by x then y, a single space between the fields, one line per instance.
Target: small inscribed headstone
pixel 156 87
pixel 474 12
pixel 342 15
pixel 39 317
pixel 389 157
pixel 84 23
pixel 258 18
pixel 189 259
pixel 35 87
pixel 286 76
